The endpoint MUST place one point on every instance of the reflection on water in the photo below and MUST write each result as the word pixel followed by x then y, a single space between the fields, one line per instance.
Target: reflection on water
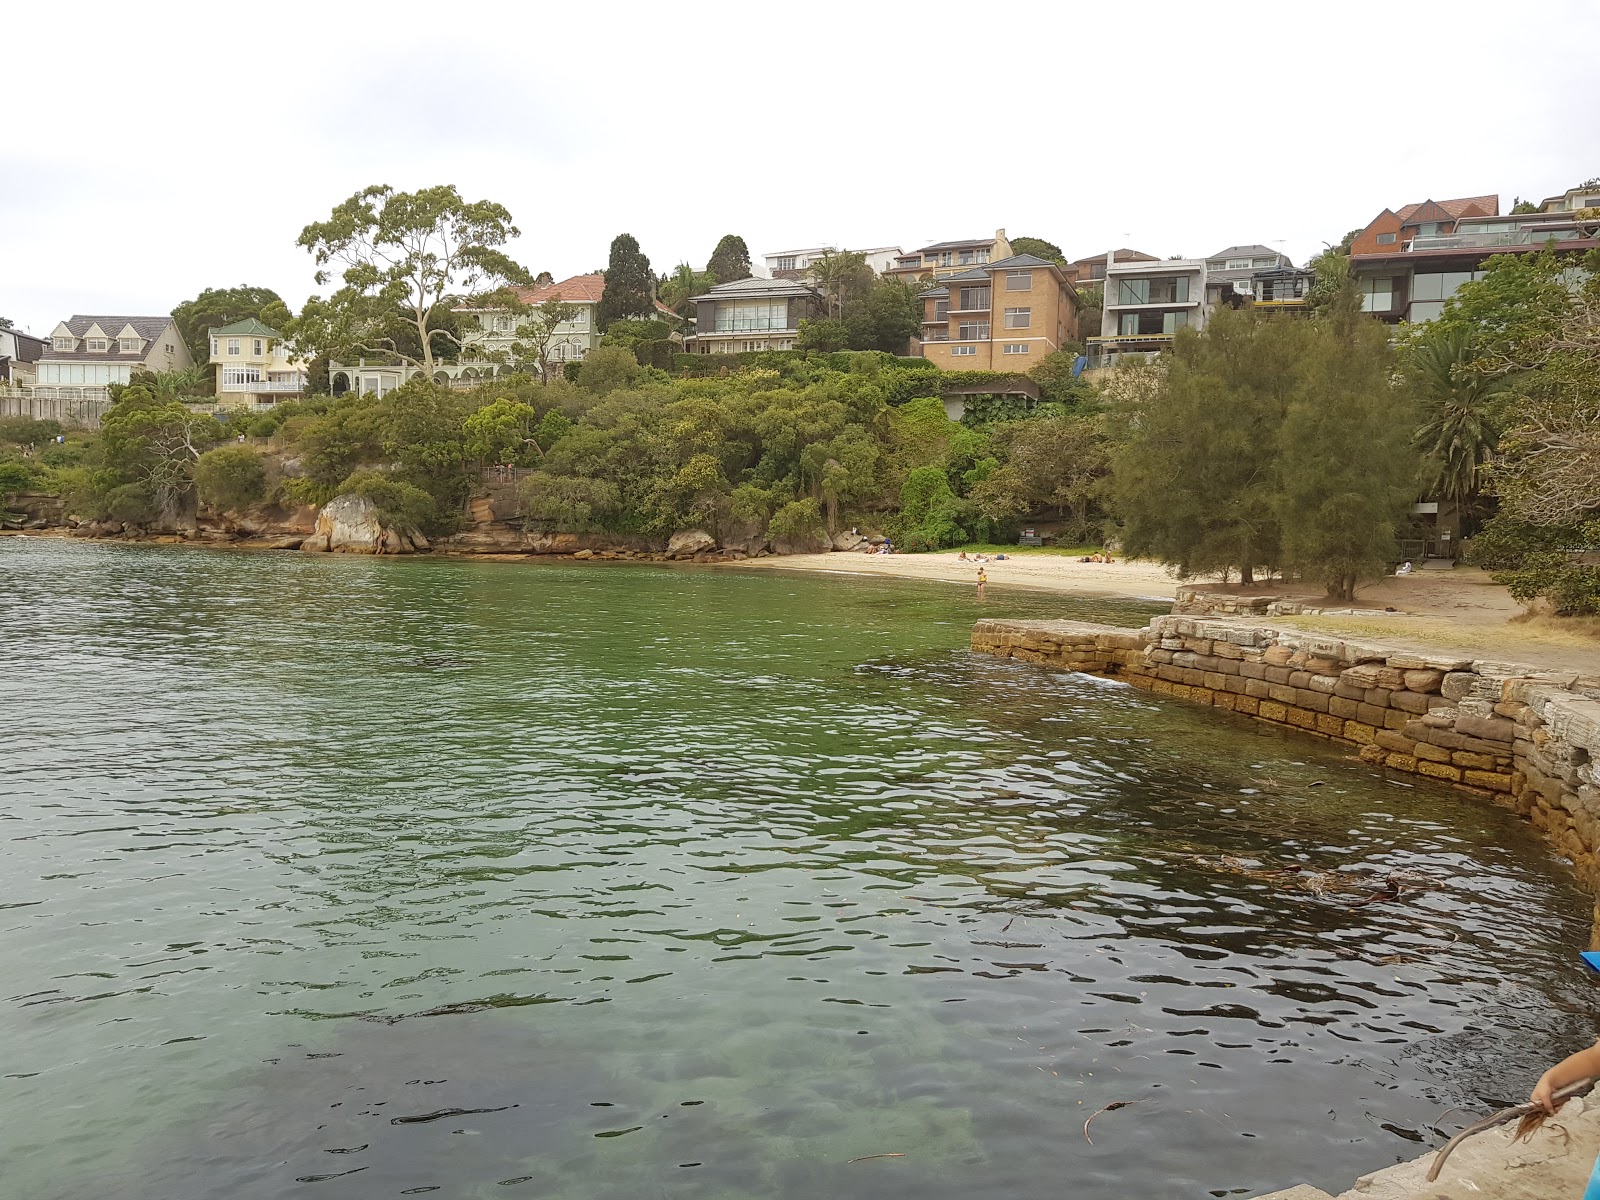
pixel 370 878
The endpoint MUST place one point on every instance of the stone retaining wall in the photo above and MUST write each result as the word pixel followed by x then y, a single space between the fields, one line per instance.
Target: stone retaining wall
pixel 1521 737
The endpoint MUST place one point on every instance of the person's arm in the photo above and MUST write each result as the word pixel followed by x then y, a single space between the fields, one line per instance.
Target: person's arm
pixel 1582 1065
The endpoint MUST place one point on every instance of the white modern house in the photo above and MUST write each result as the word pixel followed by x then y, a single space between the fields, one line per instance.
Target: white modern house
pixel 254 369
pixel 1146 303
pixel 793 264
pixel 92 353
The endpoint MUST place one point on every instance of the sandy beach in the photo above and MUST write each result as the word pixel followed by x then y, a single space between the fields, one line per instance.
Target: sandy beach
pixel 1461 611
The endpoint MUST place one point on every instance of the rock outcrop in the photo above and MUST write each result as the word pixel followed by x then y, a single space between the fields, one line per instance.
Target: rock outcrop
pixel 352 525
pixel 686 543
pixel 815 541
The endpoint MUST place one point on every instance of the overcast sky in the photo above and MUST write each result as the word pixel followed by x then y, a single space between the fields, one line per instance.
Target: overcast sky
pixel 158 149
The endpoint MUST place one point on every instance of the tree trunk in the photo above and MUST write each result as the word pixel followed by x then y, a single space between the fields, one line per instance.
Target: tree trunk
pixel 1247 574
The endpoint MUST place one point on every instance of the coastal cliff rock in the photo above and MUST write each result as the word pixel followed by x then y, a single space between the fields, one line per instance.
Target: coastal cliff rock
pixel 814 542
pixel 351 525
pixel 686 543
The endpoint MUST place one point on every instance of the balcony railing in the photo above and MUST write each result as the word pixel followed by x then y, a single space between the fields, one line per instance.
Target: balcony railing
pixel 1514 237
pixel 258 386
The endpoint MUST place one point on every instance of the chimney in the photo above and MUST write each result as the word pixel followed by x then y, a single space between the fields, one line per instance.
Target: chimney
pixel 1002 248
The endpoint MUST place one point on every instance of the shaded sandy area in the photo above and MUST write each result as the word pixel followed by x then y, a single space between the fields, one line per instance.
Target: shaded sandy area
pixel 1461 611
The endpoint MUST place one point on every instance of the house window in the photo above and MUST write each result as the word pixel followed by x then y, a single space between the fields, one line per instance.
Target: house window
pixel 95 345
pixel 128 345
pixel 233 345
pixel 257 350
pixel 503 324
pixel 169 347
pixel 1151 324
pixel 1016 347
pixel 962 351
pixel 1019 318
pixel 983 256
pixel 786 263
pixel 213 347
pixel 941 310
pixel 1377 295
pixel 752 316
pixel 63 343
pixel 964 258
pixel 973 331
pixel 1019 281
pixel 1386 239
pixel 559 353
pixel 1172 289
pixel 974 299
pixel 946 258
pixel 1237 264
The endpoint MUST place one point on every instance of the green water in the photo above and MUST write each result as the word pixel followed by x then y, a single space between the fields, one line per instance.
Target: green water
pixel 701 883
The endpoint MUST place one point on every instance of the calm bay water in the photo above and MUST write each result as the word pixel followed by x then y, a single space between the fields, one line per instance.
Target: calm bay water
pixel 352 878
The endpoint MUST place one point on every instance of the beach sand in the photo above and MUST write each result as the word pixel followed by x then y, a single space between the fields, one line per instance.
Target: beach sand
pixel 1461 612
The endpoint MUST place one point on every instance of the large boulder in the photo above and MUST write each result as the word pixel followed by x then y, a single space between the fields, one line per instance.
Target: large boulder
pixel 686 543
pixel 848 540
pixel 815 541
pixel 351 525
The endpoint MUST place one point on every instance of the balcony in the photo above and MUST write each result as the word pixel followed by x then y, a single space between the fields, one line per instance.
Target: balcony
pixel 1473 240
pixel 262 386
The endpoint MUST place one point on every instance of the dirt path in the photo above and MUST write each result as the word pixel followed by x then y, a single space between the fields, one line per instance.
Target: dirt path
pixel 1462 612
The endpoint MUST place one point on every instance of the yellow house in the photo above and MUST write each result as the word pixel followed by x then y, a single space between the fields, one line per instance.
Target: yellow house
pixel 1004 316
pixel 254 370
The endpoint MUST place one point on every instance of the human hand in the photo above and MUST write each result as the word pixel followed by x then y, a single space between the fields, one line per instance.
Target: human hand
pixel 1543 1093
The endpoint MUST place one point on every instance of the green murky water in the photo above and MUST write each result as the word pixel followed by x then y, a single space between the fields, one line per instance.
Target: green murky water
pixel 352 878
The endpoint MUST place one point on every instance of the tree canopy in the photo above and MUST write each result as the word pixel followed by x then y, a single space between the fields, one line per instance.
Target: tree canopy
pixel 1039 248
pixel 730 261
pixel 630 288
pixel 399 257
pixel 215 307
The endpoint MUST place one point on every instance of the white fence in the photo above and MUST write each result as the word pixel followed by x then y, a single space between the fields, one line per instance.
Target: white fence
pixel 78 406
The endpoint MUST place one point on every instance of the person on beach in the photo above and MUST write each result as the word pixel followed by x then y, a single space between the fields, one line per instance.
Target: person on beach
pixel 1585 1064
pixel 982 580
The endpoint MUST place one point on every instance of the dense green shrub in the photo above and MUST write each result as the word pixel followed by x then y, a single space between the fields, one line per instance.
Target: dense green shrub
pixel 400 505
pixel 1536 561
pixel 26 431
pixel 230 478
pixel 797 520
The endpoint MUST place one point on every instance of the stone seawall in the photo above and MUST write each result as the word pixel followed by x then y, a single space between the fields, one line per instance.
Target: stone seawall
pixel 1521 737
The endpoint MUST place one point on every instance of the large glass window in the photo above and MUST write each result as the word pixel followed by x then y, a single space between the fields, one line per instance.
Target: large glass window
pixel 744 316
pixel 1425 310
pixel 962 351
pixel 1386 239
pixel 1427 287
pixel 1377 295
pixel 1019 318
pixel 973 331
pixel 1170 289
pixel 941 310
pixel 1019 281
pixel 974 299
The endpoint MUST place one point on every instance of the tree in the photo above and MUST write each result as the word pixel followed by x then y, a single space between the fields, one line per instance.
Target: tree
pixel 684 283
pixel 730 261
pixel 823 334
pixel 215 307
pixel 230 477
pixel 1194 469
pixel 1346 468
pixel 148 450
pixel 404 252
pixel 5 323
pixel 887 317
pixel 1051 461
pixel 630 288
pixel 1462 411
pixel 1039 248
pixel 607 368
pixel 540 334
pixel 842 277
pixel 502 432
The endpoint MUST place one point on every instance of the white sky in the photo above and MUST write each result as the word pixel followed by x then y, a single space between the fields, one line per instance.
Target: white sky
pixel 156 150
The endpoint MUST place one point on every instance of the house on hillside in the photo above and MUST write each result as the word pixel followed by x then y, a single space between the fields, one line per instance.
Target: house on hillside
pixel 794 264
pixel 490 334
pixel 946 258
pixel 19 355
pixel 752 314
pixel 1407 264
pixel 253 367
pixel 1086 271
pixel 1584 196
pixel 96 352
pixel 1003 316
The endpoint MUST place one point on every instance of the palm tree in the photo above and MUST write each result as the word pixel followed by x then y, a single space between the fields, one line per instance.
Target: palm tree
pixel 1461 412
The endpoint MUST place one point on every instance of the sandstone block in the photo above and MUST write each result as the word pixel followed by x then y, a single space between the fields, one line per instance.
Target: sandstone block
pixel 1281 692
pixel 1197 645
pixel 1439 770
pixel 1391 678
pixel 1216 681
pixel 1401 762
pixel 1340 707
pixel 1393 739
pixel 1349 690
pixel 1331 725
pixel 1253 670
pixel 1457 685
pixel 1184 658
pixel 1430 752
pixel 1373 754
pixel 1227 650
pixel 1409 701
pixel 1299 679
pixel 1324 684
pixel 1363 677
pixel 1494 729
pixel 1357 731
pixel 1315 701
pixel 1494 781
pixel 1259 688
pixel 1246 704
pixel 1277 656
pixel 1371 714
pixel 1394 718
pixel 1271 710
pixel 1302 718
pixel 1478 762
pixel 1378 697
pixel 1324 666
pixel 1235 684
pixel 1279 675
pixel 1423 681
